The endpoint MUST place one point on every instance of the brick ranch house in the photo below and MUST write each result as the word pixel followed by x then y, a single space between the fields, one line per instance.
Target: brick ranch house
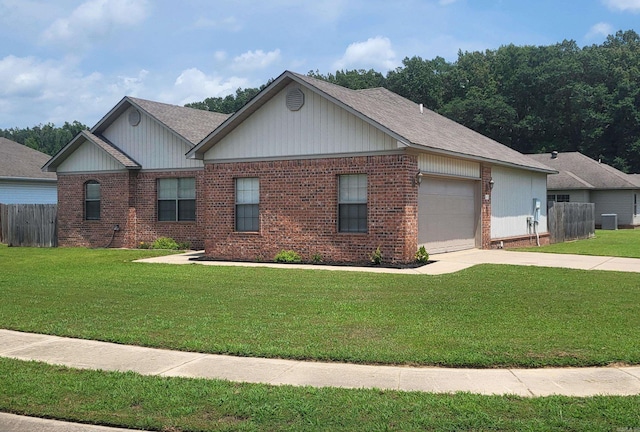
pixel 306 165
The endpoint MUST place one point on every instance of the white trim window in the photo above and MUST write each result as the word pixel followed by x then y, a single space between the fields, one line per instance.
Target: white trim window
pixel 92 200
pixel 177 199
pixel 352 203
pixel 248 204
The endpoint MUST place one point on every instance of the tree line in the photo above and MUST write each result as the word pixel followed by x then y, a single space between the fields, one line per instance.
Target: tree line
pixel 534 99
pixel 46 138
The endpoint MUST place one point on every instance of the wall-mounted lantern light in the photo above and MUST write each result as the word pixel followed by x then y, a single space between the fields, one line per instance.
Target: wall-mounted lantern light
pixel 417 179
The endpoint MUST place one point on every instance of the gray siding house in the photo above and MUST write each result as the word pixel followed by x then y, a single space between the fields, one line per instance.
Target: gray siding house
pixel 582 179
pixel 21 178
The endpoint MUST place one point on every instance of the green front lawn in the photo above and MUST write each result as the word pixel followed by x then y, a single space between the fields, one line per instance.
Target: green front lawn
pixel 618 243
pixel 178 404
pixel 486 316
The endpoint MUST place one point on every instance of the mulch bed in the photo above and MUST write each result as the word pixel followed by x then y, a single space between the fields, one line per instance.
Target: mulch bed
pixel 325 263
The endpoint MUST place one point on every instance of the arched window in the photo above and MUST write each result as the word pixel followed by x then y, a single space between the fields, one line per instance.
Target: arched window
pixel 92 200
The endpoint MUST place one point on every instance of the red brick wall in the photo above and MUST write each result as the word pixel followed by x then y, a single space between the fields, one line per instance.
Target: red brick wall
pixel 298 209
pixel 73 230
pixel 148 228
pixel 127 199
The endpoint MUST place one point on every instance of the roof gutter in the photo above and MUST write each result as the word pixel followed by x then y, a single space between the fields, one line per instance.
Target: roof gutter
pixel 36 179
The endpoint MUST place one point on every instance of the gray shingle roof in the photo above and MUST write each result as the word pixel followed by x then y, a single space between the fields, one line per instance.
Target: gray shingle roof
pixel 20 161
pixel 394 114
pixel 189 123
pixel 577 171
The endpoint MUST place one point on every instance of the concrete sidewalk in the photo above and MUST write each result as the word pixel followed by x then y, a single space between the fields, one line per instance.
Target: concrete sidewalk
pixel 87 354
pixel 443 263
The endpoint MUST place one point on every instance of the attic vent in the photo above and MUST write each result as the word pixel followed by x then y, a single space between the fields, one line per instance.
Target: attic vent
pixel 134 117
pixel 295 99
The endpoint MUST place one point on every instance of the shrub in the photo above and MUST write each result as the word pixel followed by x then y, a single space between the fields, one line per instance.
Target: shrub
pixel 144 245
pixel 165 243
pixel 316 258
pixel 376 256
pixel 287 256
pixel 422 256
pixel 184 245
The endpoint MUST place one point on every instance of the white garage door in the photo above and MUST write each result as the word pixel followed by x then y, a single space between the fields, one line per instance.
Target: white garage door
pixel 447 215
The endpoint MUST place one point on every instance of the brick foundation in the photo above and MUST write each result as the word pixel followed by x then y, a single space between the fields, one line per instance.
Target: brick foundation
pixel 298 209
pixel 520 241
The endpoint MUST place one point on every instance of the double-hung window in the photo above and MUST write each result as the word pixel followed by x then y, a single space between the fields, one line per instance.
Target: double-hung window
pixel 352 203
pixel 247 204
pixel 177 199
pixel 92 200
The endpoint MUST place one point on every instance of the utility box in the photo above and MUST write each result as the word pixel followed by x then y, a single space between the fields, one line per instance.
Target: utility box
pixel 609 221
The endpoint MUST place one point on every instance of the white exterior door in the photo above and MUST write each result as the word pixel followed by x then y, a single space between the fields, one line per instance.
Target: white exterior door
pixel 447 214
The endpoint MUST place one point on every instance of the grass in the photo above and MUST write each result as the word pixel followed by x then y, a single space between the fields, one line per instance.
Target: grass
pixel 486 316
pixel 179 404
pixel 618 243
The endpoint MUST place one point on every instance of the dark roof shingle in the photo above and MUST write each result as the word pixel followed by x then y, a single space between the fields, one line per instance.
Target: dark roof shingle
pixel 20 161
pixel 577 171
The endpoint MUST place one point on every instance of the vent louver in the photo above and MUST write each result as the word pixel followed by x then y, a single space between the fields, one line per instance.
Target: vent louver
pixel 295 99
pixel 134 117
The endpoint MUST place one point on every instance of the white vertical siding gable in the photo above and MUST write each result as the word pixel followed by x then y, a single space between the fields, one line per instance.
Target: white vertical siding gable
pixel 319 127
pixel 150 143
pixel 89 157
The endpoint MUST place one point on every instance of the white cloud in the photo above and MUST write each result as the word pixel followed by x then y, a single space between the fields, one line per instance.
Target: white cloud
pixel 131 86
pixel 254 60
pixel 228 23
pixel 48 91
pixel 95 18
pixel 623 5
pixel 193 85
pixel 220 56
pixel 375 53
pixel 600 29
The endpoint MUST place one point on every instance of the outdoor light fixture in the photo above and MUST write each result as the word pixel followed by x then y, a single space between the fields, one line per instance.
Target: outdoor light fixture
pixel 491 183
pixel 417 179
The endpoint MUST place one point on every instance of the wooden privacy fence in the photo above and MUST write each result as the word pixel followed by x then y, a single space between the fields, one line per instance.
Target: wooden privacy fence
pixel 28 224
pixel 571 221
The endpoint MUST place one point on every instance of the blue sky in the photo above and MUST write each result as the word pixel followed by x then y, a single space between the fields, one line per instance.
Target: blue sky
pixel 65 60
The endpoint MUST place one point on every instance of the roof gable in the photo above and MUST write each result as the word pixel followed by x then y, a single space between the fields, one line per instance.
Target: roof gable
pixel 20 161
pixel 117 156
pixel 577 171
pixel 186 126
pixel 391 113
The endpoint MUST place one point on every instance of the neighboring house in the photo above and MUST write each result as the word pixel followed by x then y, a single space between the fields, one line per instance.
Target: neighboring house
pixel 127 180
pixel 306 165
pixel 582 179
pixel 21 178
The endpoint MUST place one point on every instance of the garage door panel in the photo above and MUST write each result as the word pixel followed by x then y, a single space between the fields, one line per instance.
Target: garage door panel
pixel 447 214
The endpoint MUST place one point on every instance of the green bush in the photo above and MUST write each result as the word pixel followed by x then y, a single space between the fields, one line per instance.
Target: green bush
pixel 316 258
pixel 184 245
pixel 422 256
pixel 165 243
pixel 376 256
pixel 287 256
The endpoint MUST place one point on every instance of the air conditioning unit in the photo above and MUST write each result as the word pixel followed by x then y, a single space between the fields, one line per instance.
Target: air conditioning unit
pixel 609 221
